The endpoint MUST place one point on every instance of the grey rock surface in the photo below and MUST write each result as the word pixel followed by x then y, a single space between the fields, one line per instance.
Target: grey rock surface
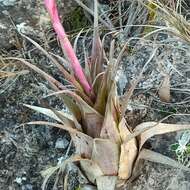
pixel 29 16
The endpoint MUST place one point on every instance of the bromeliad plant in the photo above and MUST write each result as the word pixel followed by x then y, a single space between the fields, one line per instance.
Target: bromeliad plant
pixel 109 151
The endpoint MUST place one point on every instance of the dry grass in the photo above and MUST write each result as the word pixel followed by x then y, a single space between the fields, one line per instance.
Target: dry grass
pixel 9 72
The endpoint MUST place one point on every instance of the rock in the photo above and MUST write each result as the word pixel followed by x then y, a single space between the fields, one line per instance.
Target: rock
pixel 61 143
pixel 18 180
pixel 27 16
pixel 8 2
pixel 27 187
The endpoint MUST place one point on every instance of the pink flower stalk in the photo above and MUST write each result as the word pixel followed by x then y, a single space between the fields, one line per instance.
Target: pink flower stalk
pixel 66 45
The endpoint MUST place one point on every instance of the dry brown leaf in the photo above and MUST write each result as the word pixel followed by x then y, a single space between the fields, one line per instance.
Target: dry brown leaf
pixel 123 129
pixel 128 153
pixel 91 169
pixel 66 181
pixel 91 119
pixel 64 118
pixel 60 126
pixel 164 90
pixel 70 104
pixel 106 154
pixel 110 124
pixel 97 50
pixel 110 129
pixel 83 144
pixel 158 129
pixel 102 94
pixel 159 158
pixel 106 182
pixel 92 124
pixel 105 82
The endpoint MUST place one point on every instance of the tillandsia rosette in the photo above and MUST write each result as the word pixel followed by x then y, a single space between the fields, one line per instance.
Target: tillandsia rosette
pixel 107 149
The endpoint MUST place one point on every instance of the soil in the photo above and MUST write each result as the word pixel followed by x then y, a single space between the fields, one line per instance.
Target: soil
pixel 25 151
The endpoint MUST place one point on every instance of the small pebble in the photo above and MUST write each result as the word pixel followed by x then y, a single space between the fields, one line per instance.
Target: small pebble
pixel 27 187
pixel 61 143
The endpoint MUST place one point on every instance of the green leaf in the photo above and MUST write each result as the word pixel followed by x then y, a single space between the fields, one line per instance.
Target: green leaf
pixel 174 147
pixel 188 149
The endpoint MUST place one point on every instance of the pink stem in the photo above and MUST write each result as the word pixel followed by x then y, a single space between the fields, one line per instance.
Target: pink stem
pixel 66 45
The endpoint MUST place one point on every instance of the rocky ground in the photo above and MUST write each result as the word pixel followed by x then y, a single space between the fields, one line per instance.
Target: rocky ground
pixel 25 151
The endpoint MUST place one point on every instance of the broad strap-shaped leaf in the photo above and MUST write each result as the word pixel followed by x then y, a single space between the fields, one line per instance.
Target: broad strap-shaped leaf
pixel 64 118
pixel 91 119
pixel 110 128
pixel 106 154
pixel 83 144
pixel 159 158
pixel 60 126
pixel 157 129
pixel 69 99
pixel 91 169
pixel 140 129
pixel 106 182
pixel 152 156
pixel 129 151
pixel 110 125
pixel 104 83
pixel 101 87
pixel 92 124
pixel 72 106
